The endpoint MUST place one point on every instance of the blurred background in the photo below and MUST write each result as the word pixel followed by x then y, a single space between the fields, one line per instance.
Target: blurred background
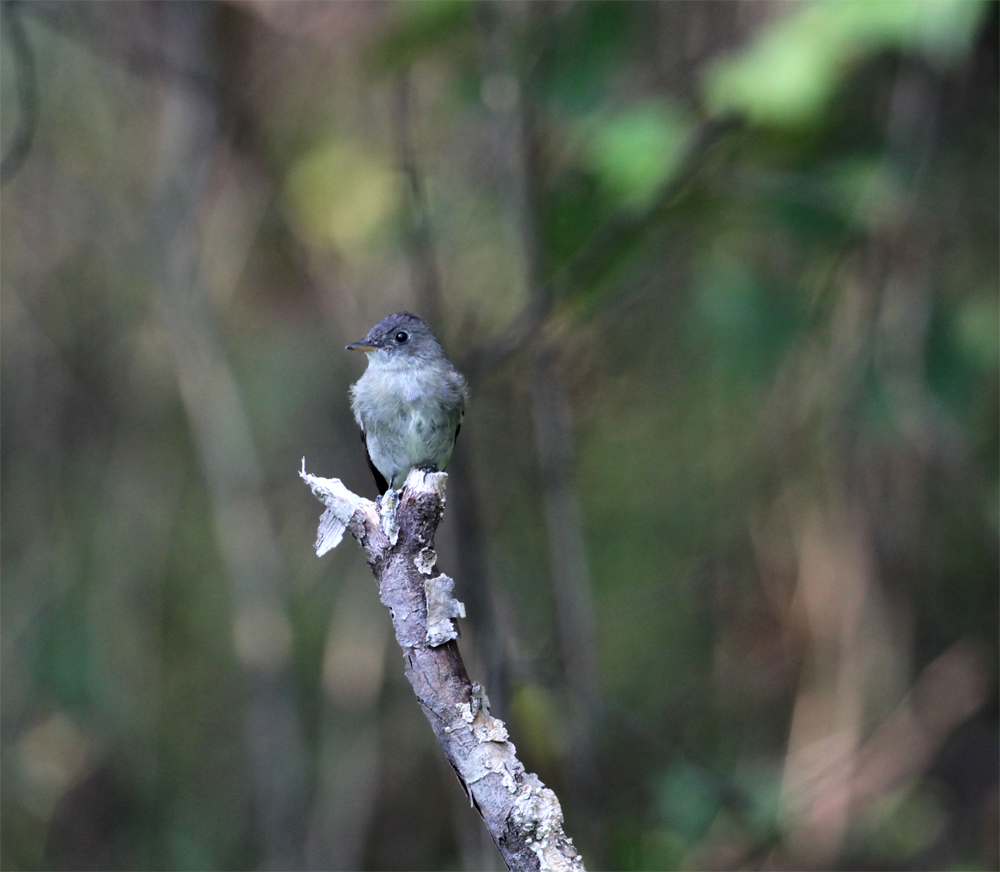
pixel 724 511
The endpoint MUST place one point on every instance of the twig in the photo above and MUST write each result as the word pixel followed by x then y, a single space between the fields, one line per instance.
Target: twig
pixel 522 815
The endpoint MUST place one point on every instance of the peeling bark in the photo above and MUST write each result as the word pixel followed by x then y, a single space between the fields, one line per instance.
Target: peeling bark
pixel 522 815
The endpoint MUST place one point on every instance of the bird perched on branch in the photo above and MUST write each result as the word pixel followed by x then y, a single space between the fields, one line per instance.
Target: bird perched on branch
pixel 410 401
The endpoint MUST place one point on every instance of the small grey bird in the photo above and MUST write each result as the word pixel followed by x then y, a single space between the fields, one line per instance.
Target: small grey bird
pixel 410 401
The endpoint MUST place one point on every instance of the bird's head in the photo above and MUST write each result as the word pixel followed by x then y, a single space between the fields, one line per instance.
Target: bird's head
pixel 399 337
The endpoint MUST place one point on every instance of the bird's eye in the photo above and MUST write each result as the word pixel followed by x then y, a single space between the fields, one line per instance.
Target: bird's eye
pixel 401 337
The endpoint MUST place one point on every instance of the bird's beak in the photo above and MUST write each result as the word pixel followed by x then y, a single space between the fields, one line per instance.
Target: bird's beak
pixel 361 346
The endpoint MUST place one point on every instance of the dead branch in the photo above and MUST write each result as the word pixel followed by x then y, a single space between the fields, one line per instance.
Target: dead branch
pixel 522 815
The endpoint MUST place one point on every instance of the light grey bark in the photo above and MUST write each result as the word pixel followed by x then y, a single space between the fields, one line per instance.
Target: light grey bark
pixel 522 815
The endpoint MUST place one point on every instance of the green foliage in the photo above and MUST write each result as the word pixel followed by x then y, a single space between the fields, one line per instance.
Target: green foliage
pixel 789 75
pixel 634 152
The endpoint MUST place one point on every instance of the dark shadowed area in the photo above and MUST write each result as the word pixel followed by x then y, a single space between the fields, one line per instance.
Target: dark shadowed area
pixel 724 511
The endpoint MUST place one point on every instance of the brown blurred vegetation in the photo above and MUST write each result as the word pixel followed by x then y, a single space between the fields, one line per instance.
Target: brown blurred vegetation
pixel 724 279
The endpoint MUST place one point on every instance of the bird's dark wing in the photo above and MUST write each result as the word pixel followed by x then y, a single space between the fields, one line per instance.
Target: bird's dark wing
pixel 380 481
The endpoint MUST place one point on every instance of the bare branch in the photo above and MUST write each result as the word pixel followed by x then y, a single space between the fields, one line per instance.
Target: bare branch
pixel 522 815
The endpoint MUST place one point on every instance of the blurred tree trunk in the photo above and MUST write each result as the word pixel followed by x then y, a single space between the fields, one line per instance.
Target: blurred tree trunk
pixel 188 136
pixel 553 423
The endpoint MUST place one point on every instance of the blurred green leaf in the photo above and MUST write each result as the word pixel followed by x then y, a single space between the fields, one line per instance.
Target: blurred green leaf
pixel 790 72
pixel 634 152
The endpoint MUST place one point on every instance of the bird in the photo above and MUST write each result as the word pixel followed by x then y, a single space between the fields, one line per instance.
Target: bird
pixel 410 401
